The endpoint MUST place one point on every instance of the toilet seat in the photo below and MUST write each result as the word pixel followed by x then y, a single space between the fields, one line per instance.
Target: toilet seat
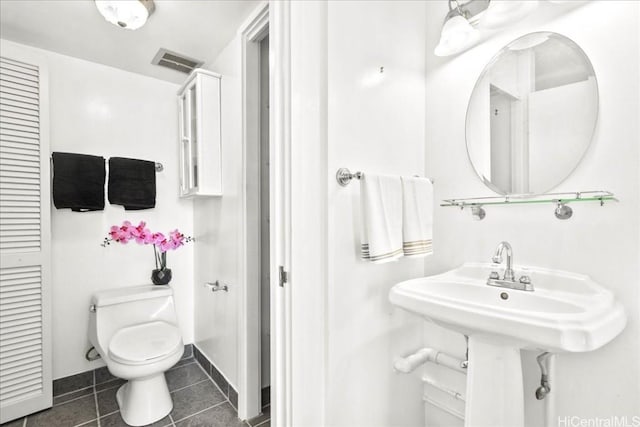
pixel 145 342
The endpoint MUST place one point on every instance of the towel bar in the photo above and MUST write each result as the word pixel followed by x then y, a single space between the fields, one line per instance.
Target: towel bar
pixel 344 176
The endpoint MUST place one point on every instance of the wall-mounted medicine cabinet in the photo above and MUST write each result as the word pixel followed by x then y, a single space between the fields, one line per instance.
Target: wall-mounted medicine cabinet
pixel 200 151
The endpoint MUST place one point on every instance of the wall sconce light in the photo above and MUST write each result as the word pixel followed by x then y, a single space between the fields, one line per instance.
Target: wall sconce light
pixel 128 14
pixel 460 28
pixel 458 33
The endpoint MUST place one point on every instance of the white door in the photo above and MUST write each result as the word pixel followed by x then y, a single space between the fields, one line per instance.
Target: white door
pixel 25 244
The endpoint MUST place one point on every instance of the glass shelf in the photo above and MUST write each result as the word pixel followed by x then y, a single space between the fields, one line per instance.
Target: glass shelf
pixel 559 199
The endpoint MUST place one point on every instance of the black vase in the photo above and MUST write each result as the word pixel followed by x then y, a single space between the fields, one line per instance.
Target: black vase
pixel 161 276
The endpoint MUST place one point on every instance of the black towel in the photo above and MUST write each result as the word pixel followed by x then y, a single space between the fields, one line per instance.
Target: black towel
pixel 132 183
pixel 78 182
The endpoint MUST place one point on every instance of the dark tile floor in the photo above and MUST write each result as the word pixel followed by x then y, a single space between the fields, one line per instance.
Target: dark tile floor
pixel 197 402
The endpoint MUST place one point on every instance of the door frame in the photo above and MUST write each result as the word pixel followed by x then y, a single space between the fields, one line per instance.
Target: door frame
pixel 254 30
pixel 280 210
pixel 298 183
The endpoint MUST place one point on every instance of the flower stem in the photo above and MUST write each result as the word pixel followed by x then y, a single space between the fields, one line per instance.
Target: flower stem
pixel 155 256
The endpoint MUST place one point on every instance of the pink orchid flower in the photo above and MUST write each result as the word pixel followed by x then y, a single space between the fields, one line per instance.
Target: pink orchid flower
pixel 142 235
pixel 165 245
pixel 157 238
pixel 177 239
pixel 119 235
pixel 147 237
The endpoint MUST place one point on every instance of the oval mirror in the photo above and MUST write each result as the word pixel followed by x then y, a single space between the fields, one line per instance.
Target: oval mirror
pixel 532 114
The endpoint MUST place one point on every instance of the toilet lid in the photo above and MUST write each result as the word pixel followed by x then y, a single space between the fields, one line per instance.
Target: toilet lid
pixel 144 342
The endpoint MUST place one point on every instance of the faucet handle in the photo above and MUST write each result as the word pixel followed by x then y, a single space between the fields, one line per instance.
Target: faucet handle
pixel 525 280
pixel 494 275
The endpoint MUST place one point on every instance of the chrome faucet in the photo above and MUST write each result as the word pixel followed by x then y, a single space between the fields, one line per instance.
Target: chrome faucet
pixel 497 258
pixel 509 278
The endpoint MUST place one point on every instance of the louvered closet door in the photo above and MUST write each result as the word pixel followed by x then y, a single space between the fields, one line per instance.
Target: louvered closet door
pixel 25 323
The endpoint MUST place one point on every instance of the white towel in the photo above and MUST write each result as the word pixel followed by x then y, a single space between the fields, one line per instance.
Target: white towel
pixel 417 216
pixel 381 198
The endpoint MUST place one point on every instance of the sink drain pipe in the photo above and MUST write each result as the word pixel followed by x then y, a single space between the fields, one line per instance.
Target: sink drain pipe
pixel 545 387
pixel 410 363
pixel 546 362
pixel 420 357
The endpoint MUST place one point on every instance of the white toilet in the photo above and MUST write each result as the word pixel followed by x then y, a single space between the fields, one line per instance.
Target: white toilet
pixel 135 330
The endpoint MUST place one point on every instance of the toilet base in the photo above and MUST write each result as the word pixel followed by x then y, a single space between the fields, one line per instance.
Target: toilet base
pixel 144 401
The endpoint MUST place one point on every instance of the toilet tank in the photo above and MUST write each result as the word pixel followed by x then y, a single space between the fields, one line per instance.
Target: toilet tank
pixel 114 309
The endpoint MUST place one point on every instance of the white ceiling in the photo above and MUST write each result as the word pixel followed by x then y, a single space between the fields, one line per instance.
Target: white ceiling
pixel 196 28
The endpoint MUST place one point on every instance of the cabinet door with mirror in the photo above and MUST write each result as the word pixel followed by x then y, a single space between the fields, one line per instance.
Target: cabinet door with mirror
pixel 532 114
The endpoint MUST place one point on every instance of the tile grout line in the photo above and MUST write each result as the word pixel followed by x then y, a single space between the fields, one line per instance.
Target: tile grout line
pixel 86 422
pixel 214 382
pixel 84 396
pixel 180 366
pixel 226 396
pixel 187 386
pixel 95 398
pixel 210 376
pixel 110 387
pixel 71 392
pixel 74 399
pixel 201 411
pixel 110 413
pixel 264 422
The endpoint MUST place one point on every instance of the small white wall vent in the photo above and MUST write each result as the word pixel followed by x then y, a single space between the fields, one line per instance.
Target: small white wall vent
pixel 175 61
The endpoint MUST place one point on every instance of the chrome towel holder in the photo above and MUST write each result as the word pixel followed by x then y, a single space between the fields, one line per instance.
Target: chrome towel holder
pixel 344 176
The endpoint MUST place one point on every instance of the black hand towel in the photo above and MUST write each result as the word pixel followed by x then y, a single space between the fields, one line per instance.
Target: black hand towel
pixel 78 182
pixel 132 183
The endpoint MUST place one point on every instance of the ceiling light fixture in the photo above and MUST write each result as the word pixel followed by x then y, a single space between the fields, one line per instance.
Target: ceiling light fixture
pixel 128 14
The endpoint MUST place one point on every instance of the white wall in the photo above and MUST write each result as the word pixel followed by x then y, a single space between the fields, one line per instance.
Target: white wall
pixel 375 124
pixel 602 242
pixel 345 113
pixel 217 223
pixel 105 111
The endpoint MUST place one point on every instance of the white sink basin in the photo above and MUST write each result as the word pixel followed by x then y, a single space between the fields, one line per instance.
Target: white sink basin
pixel 565 312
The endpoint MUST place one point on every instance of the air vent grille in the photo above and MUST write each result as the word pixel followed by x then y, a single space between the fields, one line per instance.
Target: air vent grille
pixel 175 61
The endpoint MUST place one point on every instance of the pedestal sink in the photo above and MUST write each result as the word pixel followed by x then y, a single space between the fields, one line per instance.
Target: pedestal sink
pixel 566 312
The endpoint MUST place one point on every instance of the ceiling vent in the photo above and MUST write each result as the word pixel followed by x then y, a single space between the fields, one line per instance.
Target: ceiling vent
pixel 175 61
